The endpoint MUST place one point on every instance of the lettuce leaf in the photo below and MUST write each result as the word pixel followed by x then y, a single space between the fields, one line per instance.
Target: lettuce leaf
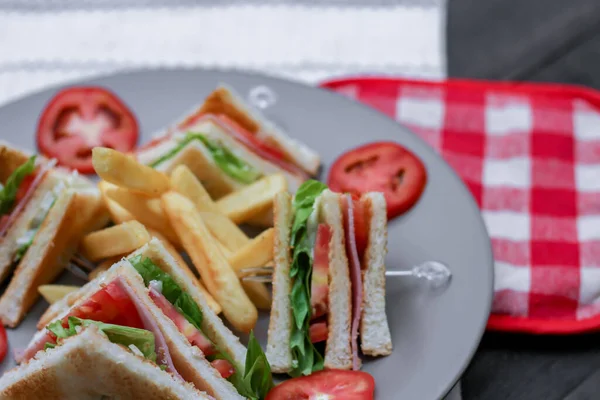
pixel 228 162
pixel 123 335
pixel 257 379
pixel 305 357
pixel 8 193
pixel 183 302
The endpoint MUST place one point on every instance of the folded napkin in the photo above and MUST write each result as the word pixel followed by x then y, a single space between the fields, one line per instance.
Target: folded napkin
pixel 530 154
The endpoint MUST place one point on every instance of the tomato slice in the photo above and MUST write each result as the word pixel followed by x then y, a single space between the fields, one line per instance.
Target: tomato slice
pixel 78 119
pixel 111 305
pixel 361 225
pixel 318 331
pixel 3 343
pixel 319 287
pixel 329 384
pixel 224 367
pixel 381 167
pixel 24 187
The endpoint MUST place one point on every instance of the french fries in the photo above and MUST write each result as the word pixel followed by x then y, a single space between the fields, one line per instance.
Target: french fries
pixel 257 253
pixel 118 214
pixel 125 171
pixel 185 182
pixel 225 231
pixel 53 293
pixel 183 265
pixel 216 273
pixel 253 199
pixel 148 211
pixel 114 241
pixel 222 228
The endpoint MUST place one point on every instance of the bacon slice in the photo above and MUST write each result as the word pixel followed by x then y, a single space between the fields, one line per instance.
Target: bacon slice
pixel 192 334
pixel 319 286
pixel 355 276
pixel 5 223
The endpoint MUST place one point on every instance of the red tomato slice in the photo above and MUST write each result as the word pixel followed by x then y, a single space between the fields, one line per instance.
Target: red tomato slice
pixel 24 187
pixel 224 368
pixel 381 167
pixel 318 331
pixel 3 343
pixel 80 118
pixel 319 287
pixel 111 305
pixel 329 384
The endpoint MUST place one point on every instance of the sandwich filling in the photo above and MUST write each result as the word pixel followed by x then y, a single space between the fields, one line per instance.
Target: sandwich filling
pixel 16 193
pixel 245 138
pixel 229 163
pixel 254 381
pixel 116 305
pixel 310 243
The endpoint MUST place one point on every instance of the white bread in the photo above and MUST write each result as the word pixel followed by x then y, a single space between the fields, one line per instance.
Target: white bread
pixel 338 352
pixel 280 323
pixel 374 330
pixel 225 100
pixel 89 366
pixel 75 212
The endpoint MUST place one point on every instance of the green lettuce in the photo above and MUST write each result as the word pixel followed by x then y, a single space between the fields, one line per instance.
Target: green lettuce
pixel 8 193
pixel 228 162
pixel 306 358
pixel 257 379
pixel 123 335
pixel 183 302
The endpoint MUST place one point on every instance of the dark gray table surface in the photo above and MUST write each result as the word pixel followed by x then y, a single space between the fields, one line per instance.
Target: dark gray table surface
pixel 529 40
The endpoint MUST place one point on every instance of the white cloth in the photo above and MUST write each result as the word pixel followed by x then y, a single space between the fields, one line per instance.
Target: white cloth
pixel 49 42
pixel 55 41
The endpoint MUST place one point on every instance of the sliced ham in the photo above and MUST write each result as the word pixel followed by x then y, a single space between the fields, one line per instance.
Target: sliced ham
pixel 355 276
pixel 7 222
pixel 36 345
pixel 162 350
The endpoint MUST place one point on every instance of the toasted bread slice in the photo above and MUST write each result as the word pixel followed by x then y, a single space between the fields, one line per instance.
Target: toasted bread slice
pixel 338 352
pixel 89 366
pixel 280 323
pixel 375 335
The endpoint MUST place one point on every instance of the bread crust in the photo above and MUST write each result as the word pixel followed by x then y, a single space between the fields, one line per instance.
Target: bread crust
pixel 280 321
pixel 375 334
pixel 338 351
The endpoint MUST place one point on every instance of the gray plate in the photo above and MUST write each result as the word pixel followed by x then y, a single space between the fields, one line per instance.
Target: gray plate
pixel 434 334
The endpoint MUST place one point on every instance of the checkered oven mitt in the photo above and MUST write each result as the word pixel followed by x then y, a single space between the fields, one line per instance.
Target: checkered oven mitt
pixel 530 154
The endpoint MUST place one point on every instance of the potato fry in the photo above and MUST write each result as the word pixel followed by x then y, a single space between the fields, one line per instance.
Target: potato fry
pixel 185 182
pixel 216 273
pixel 253 199
pixel 148 211
pixel 225 231
pixel 118 214
pixel 222 228
pixel 114 241
pixel 212 303
pixel 125 171
pixel 257 253
pixel 53 293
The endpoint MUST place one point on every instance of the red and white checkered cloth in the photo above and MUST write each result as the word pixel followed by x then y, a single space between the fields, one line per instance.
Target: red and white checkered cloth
pixel 530 155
